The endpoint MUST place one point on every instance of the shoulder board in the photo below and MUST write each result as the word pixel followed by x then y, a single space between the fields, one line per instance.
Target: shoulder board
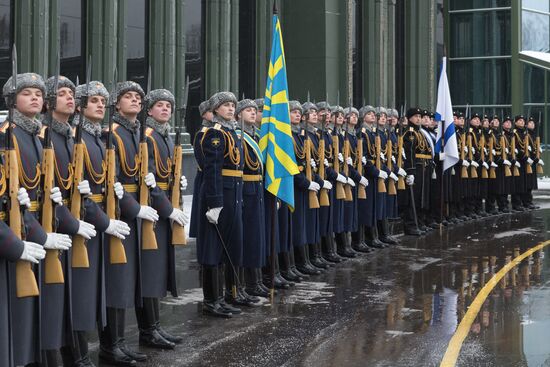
pixel 303 132
pixel 115 126
pixel 4 127
pixel 364 130
pixel 149 131
pixel 204 128
pixel 42 132
pixel 217 126
pixel 471 130
pixel 374 129
pixel 411 128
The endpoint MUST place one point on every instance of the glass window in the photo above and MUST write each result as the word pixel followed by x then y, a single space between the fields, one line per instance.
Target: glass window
pixel 481 82
pixel 247 48
pixel 535 31
pixel 357 36
pixel 541 5
pixel 71 40
pixel 193 20
pixel 478 4
pixel 466 29
pixel 533 86
pixel 136 42
pixel 6 40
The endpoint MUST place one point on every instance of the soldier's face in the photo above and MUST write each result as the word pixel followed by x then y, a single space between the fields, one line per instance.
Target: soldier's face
pixel 295 117
pixel 161 111
pixel 382 119
pixel 65 101
pixel 495 123
pixel 531 125
pixel 29 101
pixel 426 120
pixel 475 122
pixel 520 123
pixel 507 124
pixel 208 116
pixel 259 114
pixel 129 103
pixel 248 115
pixel 460 121
pixel 327 114
pixel 353 118
pixel 226 111
pixel 485 123
pixel 369 118
pixel 311 117
pixel 339 118
pixel 415 119
pixel 95 110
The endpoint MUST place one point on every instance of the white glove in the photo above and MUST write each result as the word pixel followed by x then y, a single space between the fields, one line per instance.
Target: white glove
pixel 84 187
pixel 484 164
pixel 516 150
pixel 313 164
pixel 540 149
pixel 183 183
pixel 382 174
pixel 326 163
pixel 314 186
pixel 86 230
pixel 340 157
pixel 364 181
pixel 364 160
pixel 409 180
pixel 393 159
pixel 494 165
pixel 507 163
pixel 541 162
pixel 350 182
pixel 402 172
pixel 327 185
pixel 118 229
pixel 475 164
pixel 473 150
pixel 442 156
pixel 529 161
pixel 394 177
pixel 213 215
pixel 179 217
pixel 23 197
pixel 494 152
pixel 518 165
pixel 341 179
pixel 148 213
pixel 403 154
pixel 58 241
pixel 530 149
pixel 507 150
pixel 349 161
pixel 465 149
pixel 32 252
pixel 119 190
pixel 150 180
pixel 485 151
pixel 56 197
pixel 382 156
pixel 465 163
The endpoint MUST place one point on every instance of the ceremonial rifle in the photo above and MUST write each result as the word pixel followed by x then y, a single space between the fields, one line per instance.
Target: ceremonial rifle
pixel 340 193
pixel 149 239
pixel 80 257
pixel 53 270
pixel 378 147
pixel 513 148
pixel 464 170
pixel 389 153
pixel 540 169
pixel 473 169
pixel 401 180
pixel 308 146
pixel 361 191
pixel 25 279
pixel 178 231
pixel 347 188
pixel 117 254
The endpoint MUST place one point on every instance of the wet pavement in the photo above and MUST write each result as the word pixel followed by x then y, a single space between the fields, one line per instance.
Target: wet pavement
pixel 396 307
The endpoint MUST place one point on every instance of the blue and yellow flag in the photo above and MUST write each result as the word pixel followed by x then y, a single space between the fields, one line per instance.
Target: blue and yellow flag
pixel 276 140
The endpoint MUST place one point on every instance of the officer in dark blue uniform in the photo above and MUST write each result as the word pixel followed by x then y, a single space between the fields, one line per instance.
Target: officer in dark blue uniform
pixel 219 237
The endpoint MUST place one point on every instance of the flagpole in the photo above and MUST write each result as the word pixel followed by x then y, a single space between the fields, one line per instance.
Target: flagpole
pixel 273 214
pixel 442 194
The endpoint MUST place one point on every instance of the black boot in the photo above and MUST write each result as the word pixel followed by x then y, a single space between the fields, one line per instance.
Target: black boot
pixel 342 246
pixel 261 284
pixel 293 265
pixel 110 351
pixel 347 241
pixel 210 288
pixel 147 323
pixel 252 283
pixel 121 316
pixel 358 241
pixel 232 295
pixel 286 270
pixel 315 256
pixel 302 263
pixel 279 281
pixel 384 233
pixel 242 288
pixel 370 238
pixel 77 354
pixel 327 249
pixel 166 335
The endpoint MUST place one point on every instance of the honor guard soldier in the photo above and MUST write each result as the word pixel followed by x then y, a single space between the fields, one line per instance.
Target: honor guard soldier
pixel 56 135
pixel 391 132
pixel 123 280
pixel 418 157
pixel 367 207
pixel 159 266
pixel 459 173
pixel 311 141
pixel 493 204
pixel 475 142
pixel 523 163
pixel 534 153
pixel 430 175
pixel 27 343
pixel 511 162
pixel 206 115
pixel 88 282
pixel 12 249
pixel 351 222
pixel 220 226
pixel 255 247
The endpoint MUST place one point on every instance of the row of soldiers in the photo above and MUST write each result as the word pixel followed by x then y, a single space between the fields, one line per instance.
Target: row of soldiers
pixel 77 242
pixel 358 170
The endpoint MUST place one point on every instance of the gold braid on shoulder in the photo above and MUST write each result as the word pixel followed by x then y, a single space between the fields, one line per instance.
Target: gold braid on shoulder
pixel 28 183
pixel 163 171
pixel 128 171
pixel 97 177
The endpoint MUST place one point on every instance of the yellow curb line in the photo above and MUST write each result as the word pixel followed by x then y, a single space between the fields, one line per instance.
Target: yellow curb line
pixel 453 349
